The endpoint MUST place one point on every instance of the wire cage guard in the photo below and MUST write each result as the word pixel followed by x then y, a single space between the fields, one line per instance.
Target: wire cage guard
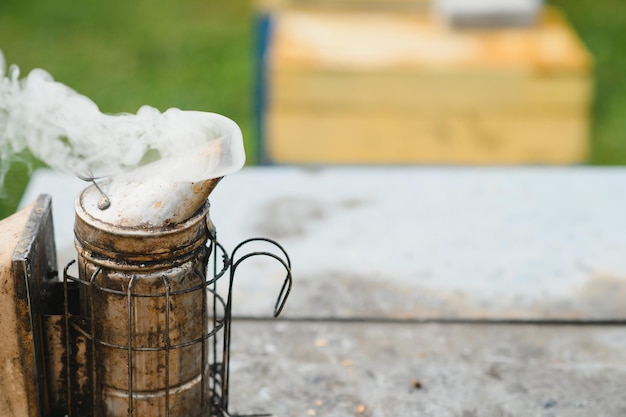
pixel 154 343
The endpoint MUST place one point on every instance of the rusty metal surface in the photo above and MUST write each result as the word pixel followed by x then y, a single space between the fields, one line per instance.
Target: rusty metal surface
pixel 147 244
pixel 34 263
pixel 427 370
pixel 144 310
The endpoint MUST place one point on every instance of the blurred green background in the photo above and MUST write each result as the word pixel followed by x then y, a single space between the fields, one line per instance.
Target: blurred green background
pixel 199 55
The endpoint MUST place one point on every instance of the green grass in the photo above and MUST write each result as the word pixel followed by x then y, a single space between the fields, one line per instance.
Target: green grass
pixel 601 26
pixel 122 54
pixel 198 55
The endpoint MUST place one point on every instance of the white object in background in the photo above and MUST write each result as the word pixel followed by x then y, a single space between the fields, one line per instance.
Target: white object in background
pixel 488 13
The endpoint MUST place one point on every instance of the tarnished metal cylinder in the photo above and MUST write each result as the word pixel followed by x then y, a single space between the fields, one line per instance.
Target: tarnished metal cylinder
pixel 145 309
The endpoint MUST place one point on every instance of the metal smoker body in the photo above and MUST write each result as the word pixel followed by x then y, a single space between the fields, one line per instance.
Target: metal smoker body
pixel 145 305
pixel 144 339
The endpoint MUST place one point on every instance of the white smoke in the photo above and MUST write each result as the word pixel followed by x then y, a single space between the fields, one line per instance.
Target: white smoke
pixel 67 131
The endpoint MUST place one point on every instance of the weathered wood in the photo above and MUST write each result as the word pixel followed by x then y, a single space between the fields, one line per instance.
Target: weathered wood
pixel 384 137
pixel 14 383
pixel 418 42
pixel 429 94
pixel 28 259
pixel 34 263
pixel 279 5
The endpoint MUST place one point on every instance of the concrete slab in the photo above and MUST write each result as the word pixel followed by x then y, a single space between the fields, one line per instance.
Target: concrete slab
pixel 374 246
pixel 427 370
pixel 419 242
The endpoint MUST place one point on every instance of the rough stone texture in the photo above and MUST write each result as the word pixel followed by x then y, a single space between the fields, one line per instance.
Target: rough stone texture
pixel 427 370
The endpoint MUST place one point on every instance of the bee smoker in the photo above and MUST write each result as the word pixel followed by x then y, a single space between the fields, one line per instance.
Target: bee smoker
pixel 142 328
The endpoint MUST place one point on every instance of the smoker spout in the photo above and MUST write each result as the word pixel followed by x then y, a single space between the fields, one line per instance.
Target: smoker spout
pixel 201 190
pixel 147 203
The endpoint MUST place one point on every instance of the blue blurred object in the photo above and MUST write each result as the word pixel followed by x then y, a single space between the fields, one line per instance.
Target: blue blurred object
pixel 263 31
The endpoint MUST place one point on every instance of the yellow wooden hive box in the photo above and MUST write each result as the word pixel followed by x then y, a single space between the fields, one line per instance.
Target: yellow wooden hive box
pixel 389 87
pixel 276 5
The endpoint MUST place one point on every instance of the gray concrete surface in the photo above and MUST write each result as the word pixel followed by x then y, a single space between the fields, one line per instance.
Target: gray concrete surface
pixel 411 242
pixel 427 370
pixel 389 244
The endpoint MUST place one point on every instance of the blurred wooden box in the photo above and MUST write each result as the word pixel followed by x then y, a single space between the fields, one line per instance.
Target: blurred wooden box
pixel 277 5
pixel 390 87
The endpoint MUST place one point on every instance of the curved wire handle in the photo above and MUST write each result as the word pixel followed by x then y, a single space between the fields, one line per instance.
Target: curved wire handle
pixel 278 306
pixel 214 246
pixel 285 290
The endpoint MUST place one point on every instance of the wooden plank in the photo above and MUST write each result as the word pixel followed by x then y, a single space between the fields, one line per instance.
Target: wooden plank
pixel 376 137
pixel 434 370
pixel 34 264
pixel 15 384
pixel 383 41
pixel 280 5
pixel 27 258
pixel 427 92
